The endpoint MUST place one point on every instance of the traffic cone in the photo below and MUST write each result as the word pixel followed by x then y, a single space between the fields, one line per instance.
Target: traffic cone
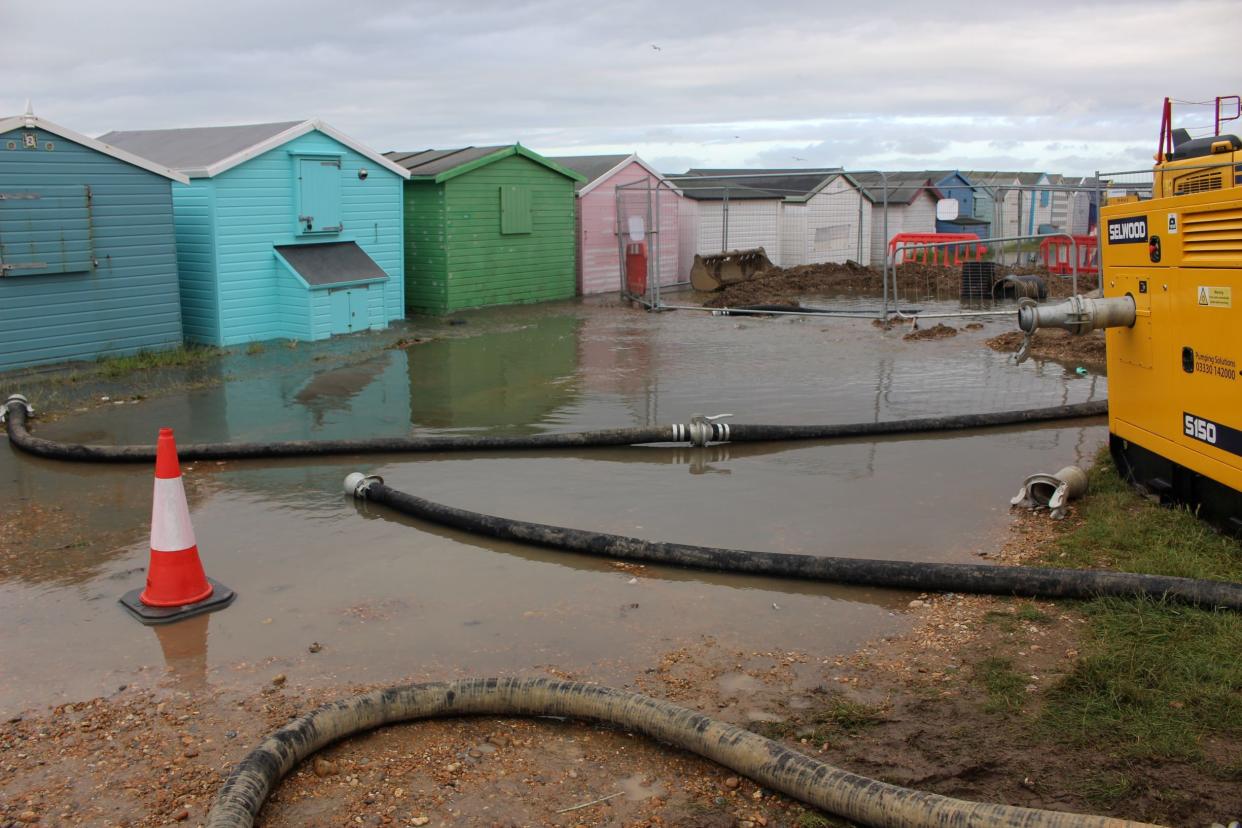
pixel 176 586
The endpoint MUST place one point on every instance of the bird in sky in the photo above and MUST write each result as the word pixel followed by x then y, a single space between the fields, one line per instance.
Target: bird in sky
pixel 657 48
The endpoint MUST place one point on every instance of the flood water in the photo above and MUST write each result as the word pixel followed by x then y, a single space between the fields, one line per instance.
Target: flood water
pixel 388 598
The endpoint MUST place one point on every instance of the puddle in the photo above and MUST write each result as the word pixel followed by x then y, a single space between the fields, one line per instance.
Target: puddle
pixel 638 787
pixel 387 598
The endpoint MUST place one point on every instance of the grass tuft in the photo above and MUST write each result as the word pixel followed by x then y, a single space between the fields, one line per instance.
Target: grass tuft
pixel 1005 688
pixel 180 357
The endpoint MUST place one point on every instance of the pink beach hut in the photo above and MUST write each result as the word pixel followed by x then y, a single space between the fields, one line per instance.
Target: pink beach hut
pixel 599 257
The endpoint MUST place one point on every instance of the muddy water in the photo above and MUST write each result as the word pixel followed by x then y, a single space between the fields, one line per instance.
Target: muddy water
pixel 385 598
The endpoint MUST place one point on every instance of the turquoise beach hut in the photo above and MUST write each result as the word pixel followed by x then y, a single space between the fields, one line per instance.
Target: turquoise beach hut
pixel 287 230
pixel 88 261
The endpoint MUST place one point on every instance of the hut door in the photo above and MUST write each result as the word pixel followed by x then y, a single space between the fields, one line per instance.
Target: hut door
pixel 348 311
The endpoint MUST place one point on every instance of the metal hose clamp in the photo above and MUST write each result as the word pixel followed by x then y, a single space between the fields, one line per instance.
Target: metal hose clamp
pixel 357 483
pixel 703 429
pixel 19 399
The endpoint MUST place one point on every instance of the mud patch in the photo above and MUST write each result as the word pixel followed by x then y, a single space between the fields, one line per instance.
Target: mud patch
pixel 1058 346
pixel 937 331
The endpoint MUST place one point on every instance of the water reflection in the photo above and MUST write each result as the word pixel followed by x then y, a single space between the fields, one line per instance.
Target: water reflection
pixel 508 378
pixel 184 646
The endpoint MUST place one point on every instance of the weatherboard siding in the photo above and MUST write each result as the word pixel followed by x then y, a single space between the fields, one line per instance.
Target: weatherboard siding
pixel 193 206
pixel 129 300
pixel 599 254
pixel 255 211
pixel 477 265
pixel 752 223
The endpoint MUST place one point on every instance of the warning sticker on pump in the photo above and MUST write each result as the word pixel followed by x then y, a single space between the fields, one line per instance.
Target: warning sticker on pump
pixel 1215 297
pixel 1214 434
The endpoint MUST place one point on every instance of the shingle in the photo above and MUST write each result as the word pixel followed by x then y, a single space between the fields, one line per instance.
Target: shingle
pixel 432 162
pixel 591 166
pixel 194 148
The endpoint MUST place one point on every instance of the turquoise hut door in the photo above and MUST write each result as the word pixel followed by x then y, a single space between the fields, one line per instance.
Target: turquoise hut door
pixel 347 308
pixel 319 195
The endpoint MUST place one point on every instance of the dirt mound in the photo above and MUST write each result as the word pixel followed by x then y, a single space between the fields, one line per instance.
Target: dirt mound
pixel 1057 345
pixel 937 331
pixel 779 285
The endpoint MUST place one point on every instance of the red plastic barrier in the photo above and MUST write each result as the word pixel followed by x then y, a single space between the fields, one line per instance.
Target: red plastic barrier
pixel 945 256
pixel 1057 253
pixel 636 268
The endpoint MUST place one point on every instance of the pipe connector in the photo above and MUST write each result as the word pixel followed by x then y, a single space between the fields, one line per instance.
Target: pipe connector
pixel 1078 314
pixel 1052 491
pixel 357 483
pixel 704 429
pixel 16 400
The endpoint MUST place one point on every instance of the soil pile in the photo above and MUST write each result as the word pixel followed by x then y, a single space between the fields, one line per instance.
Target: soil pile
pixel 937 331
pixel 778 285
pixel 1057 345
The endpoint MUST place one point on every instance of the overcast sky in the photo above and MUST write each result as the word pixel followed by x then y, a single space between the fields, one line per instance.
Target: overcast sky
pixel 1058 86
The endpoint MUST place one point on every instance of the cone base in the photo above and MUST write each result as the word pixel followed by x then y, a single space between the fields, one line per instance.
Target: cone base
pixel 221 596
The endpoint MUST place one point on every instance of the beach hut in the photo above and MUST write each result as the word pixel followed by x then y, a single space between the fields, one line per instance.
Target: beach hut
pixel 911 207
pixel 486 226
pixel 285 230
pixel 645 194
pixel 798 216
pixel 88 262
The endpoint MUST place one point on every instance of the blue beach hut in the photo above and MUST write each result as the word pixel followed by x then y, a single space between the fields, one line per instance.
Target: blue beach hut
pixel 88 263
pixel 285 230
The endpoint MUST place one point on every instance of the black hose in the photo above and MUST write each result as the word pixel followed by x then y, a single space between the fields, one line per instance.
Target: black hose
pixel 16 412
pixel 862 800
pixel 1035 582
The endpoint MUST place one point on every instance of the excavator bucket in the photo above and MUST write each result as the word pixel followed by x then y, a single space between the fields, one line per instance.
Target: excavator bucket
pixel 714 271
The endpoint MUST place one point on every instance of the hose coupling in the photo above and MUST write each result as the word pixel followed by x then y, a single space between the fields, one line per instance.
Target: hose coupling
pixel 704 429
pixel 357 484
pixel 1052 491
pixel 1077 314
pixel 16 399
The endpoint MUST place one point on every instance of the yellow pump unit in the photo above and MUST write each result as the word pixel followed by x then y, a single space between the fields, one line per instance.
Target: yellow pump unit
pixel 1172 307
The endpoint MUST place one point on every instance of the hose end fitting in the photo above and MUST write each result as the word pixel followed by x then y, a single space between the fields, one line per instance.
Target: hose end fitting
pixel 704 429
pixel 1053 491
pixel 357 483
pixel 18 400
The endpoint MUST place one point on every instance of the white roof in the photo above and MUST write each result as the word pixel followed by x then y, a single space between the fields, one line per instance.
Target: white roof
pixel 205 152
pixel 30 121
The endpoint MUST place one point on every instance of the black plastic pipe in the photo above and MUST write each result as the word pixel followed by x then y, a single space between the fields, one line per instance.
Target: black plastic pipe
pixel 17 412
pixel 1034 582
pixel 771 764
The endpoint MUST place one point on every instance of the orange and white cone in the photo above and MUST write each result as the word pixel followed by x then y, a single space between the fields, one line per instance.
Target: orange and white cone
pixel 176 585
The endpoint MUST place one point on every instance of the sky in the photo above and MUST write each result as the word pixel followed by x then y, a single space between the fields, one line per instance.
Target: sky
pixel 1063 86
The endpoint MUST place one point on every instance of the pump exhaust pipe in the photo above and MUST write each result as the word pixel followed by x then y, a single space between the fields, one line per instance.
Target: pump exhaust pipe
pixel 1077 314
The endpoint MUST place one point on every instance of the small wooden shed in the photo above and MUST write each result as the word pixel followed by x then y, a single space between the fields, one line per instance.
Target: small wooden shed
pixel 911 207
pixel 648 196
pixel 88 262
pixel 486 226
pixel 286 230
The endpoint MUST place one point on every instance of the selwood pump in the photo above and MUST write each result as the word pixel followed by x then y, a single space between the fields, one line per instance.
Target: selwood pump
pixel 1170 267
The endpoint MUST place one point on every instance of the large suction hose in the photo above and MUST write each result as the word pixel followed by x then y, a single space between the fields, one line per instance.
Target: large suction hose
pixel 698 432
pixel 1035 582
pixel 771 764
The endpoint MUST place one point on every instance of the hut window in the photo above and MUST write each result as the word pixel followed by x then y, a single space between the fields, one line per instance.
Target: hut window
pixel 319 195
pixel 515 209
pixel 45 232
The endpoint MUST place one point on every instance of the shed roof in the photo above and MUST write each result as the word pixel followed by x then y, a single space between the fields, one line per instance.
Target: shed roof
pixel 440 165
pixel 32 121
pixel 599 168
pixel 203 152
pixel 903 187
pixel 793 183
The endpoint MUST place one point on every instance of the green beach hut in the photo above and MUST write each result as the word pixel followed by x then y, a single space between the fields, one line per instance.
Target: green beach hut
pixel 486 226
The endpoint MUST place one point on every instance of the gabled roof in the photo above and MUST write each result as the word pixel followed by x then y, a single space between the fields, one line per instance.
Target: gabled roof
pixel 597 169
pixel 441 165
pixel 32 121
pixel 204 152
pixel 903 187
